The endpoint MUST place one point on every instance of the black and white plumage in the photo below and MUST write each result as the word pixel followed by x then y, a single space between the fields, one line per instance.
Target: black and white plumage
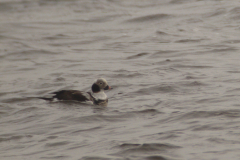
pixel 96 96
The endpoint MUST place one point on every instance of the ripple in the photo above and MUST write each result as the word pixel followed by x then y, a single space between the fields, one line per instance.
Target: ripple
pixel 127 75
pixel 208 127
pixel 104 18
pixel 15 100
pixel 223 141
pixel 135 149
pixel 140 55
pixel 88 130
pixel 148 18
pixel 155 89
pixel 11 138
pixel 6 6
pixel 227 49
pixel 193 84
pixel 232 41
pixel 148 111
pixel 4 138
pixel 163 53
pixel 25 110
pixel 57 37
pixel 235 13
pixel 55 157
pixel 206 114
pixel 189 40
pixel 101 118
pixel 191 66
pixel 162 33
pixel 56 144
pixel 156 158
pixel 217 12
pixel 94 158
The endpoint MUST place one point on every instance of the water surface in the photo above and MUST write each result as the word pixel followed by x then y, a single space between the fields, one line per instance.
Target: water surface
pixel 173 64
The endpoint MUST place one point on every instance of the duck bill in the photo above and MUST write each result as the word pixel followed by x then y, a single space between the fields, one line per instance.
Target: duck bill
pixel 107 87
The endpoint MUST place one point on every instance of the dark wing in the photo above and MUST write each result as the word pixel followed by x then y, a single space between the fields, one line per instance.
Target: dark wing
pixel 73 95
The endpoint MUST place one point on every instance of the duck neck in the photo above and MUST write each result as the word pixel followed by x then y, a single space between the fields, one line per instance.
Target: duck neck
pixel 99 95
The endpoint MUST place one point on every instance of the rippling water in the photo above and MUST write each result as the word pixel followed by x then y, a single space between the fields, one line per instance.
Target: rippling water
pixel 173 64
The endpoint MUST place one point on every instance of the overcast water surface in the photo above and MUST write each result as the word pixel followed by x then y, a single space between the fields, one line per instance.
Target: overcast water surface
pixel 174 66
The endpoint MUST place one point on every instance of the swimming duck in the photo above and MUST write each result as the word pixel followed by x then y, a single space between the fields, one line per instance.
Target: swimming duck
pixel 96 96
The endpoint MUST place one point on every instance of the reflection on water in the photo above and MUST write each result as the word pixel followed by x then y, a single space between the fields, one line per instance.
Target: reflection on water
pixel 173 65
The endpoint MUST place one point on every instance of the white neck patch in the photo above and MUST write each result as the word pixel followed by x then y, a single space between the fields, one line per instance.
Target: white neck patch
pixel 99 95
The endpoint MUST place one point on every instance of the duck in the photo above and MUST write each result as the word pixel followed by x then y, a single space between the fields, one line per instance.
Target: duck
pixel 96 96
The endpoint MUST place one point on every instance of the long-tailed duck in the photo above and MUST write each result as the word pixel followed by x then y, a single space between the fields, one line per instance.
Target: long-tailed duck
pixel 96 96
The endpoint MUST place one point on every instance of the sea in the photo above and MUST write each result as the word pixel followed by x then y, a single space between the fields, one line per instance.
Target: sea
pixel 174 66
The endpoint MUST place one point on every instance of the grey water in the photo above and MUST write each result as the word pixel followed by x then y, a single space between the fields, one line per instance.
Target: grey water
pixel 173 64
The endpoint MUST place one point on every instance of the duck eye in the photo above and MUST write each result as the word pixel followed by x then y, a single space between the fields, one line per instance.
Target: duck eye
pixel 100 83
